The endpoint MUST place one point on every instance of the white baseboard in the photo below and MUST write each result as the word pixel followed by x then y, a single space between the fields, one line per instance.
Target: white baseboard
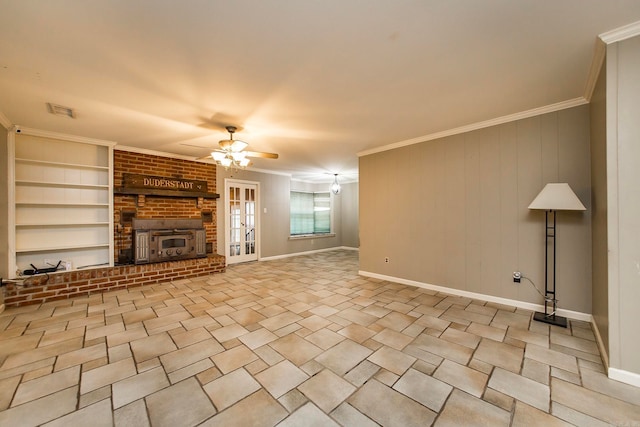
pixel 603 350
pixel 576 315
pixel 626 377
pixel 271 258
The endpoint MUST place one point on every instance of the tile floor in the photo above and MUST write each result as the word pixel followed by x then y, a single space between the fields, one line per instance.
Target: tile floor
pixel 302 341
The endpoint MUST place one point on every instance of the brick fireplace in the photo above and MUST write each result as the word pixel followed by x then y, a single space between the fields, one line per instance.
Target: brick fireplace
pixel 159 207
pixel 67 284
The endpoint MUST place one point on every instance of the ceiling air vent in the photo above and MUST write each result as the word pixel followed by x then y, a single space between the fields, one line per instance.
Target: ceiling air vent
pixel 61 110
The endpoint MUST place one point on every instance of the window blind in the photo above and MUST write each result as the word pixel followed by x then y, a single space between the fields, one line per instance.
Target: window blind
pixel 310 213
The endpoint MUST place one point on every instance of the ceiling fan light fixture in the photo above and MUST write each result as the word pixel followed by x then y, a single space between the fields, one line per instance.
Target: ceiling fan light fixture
pixel 237 145
pixel 232 155
pixel 225 144
pixel 218 156
pixel 238 156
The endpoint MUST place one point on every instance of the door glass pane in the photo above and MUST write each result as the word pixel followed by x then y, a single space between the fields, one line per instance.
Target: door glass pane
pixel 234 225
pixel 249 211
pixel 242 222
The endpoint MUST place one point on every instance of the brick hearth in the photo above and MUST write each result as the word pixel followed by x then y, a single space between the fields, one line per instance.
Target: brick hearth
pixel 69 284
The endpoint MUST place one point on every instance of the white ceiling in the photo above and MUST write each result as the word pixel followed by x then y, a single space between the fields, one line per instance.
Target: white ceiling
pixel 315 81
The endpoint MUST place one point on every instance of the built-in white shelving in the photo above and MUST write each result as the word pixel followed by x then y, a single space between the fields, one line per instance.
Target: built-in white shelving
pixel 63 198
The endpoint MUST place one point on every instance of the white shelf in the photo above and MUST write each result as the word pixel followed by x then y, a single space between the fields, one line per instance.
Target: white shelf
pixel 75 224
pixel 67 205
pixel 61 248
pixel 63 199
pixel 60 164
pixel 60 184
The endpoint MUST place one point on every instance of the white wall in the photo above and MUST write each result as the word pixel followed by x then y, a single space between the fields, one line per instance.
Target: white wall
pixel 4 207
pixel 349 215
pixel 623 183
pixel 4 211
pixel 599 244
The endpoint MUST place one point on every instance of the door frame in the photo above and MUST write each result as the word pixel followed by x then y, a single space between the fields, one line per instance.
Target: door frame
pixel 229 182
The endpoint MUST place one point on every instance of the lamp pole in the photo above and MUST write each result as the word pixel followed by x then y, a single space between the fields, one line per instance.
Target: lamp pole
pixel 550 292
pixel 552 198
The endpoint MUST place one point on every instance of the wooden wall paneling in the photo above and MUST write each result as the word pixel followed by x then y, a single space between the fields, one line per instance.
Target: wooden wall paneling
pixel 476 189
pixel 574 232
pixel 433 181
pixel 472 209
pixel 453 253
pixel 509 211
pixel 531 231
pixel 490 232
pixel 371 212
pixel 397 237
pixel 549 160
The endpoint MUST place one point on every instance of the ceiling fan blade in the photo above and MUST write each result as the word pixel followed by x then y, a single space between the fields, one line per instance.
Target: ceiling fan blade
pixel 204 157
pixel 233 145
pixel 261 154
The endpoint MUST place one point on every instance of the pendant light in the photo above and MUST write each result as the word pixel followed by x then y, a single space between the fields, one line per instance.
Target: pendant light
pixel 335 187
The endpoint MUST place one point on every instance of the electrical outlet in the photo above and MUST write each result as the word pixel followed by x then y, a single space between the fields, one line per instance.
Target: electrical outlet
pixel 517 276
pixel 386 260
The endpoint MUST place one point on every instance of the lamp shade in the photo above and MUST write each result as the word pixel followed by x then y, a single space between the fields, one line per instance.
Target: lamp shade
pixel 557 197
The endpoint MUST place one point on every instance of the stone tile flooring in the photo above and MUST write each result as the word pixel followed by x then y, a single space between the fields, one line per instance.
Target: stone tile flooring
pixel 302 341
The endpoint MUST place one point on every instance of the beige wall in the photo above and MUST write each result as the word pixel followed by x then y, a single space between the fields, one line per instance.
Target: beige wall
pixel 4 207
pixel 453 212
pixel 4 211
pixel 349 215
pixel 623 178
pixel 274 195
pixel 599 243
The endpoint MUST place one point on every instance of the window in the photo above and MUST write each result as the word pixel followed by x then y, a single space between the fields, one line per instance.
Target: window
pixel 310 213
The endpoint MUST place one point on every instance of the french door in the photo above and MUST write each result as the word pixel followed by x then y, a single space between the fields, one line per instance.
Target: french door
pixel 241 224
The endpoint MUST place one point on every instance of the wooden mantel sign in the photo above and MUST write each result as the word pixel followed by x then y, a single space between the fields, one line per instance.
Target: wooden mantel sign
pixel 150 182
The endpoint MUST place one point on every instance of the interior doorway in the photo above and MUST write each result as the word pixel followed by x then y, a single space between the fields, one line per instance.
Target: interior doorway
pixel 241 226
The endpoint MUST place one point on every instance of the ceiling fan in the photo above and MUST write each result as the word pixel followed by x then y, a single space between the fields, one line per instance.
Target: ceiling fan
pixel 233 153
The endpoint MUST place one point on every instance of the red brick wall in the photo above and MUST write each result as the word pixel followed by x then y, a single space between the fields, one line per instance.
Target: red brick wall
pixel 161 207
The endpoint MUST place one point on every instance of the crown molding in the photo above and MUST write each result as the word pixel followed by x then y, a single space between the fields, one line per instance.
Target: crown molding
pixel 159 153
pixel 268 172
pixel 5 122
pixel 599 53
pixel 341 182
pixel 480 125
pixel 306 181
pixel 622 33
pixel 63 136
pixel 189 158
pixel 600 50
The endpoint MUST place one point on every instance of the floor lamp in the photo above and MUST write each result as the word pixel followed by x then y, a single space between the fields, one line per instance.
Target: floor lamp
pixel 553 197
